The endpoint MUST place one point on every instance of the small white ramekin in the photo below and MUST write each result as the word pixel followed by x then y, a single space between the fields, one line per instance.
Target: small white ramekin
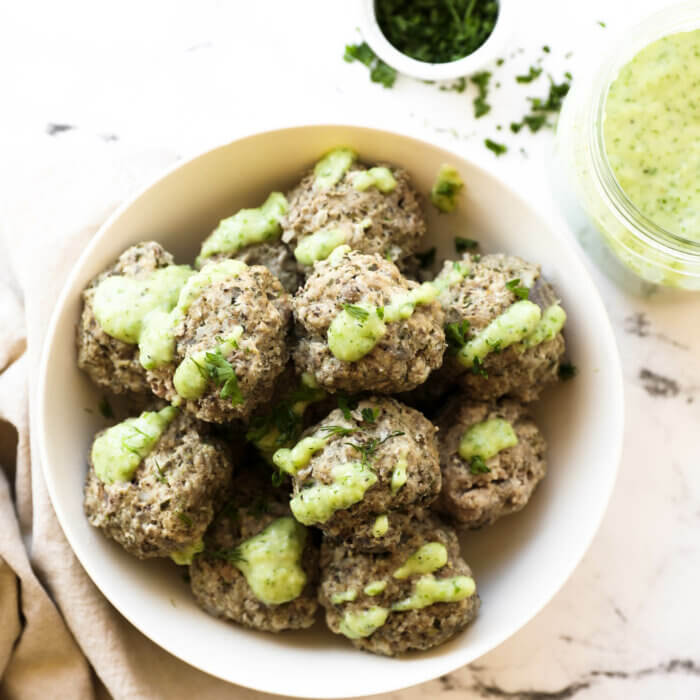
pixel 490 50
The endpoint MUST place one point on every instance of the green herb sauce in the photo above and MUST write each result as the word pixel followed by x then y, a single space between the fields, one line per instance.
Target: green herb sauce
pixel 487 439
pixel 271 562
pixel 430 557
pixel 184 557
pixel 651 131
pixel 399 475
pixel 117 453
pixel 247 227
pixel 428 590
pixel 319 245
pixel 332 167
pixel 317 503
pixel 374 588
pixel 361 623
pixel 343 597
pixel 381 526
pixel 379 177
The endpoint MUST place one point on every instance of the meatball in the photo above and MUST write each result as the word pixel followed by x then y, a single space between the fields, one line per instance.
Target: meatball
pixel 477 492
pixel 360 466
pixel 405 350
pixel 175 491
pixel 415 597
pixel 275 256
pixel 234 335
pixel 389 224
pixel 495 283
pixel 111 363
pixel 222 589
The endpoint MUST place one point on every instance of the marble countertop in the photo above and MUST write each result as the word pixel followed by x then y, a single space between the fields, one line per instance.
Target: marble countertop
pixel 176 77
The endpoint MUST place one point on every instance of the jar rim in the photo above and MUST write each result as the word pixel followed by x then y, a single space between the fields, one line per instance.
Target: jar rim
pixel 676 19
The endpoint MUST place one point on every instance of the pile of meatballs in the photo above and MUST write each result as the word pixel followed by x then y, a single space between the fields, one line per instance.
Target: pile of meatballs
pixel 211 481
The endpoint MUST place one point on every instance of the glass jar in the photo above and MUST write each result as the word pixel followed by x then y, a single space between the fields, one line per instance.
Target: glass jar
pixel 650 251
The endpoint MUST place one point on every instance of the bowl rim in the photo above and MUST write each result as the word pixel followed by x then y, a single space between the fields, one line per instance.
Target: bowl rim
pixel 423 70
pixel 440 664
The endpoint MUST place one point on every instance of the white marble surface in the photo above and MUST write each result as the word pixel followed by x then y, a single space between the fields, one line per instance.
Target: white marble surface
pixel 164 78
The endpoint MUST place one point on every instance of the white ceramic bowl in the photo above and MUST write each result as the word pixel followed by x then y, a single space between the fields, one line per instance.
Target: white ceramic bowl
pixel 490 50
pixel 519 563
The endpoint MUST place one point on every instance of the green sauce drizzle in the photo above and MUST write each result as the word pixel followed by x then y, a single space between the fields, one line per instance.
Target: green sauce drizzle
pixel 551 323
pixel 512 326
pixel 184 557
pixel 117 453
pixel 361 623
pixel 430 557
pixel 317 503
pixel 374 588
pixel 319 245
pixel 428 590
pixel 379 177
pixel 487 439
pixel 446 189
pixel 331 168
pixel 381 526
pixel 399 475
pixel 271 562
pixel 247 227
pixel 291 460
pixel 343 597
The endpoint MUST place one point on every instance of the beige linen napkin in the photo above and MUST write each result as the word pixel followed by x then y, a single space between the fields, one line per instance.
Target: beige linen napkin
pixel 59 637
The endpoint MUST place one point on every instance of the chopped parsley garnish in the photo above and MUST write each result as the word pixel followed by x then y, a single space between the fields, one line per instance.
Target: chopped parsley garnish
pixel 185 518
pixel 498 148
pixel 356 312
pixel 602 24
pixel 555 97
pixel 230 555
pixel 379 72
pixel 105 408
pixel 457 334
pixel 533 121
pixel 464 244
pixel 477 465
pixel 221 372
pixel 160 474
pixel 380 312
pixel 481 80
pixel 478 368
pixel 546 49
pixel 426 258
pixel 346 404
pixel 370 415
pixel 531 75
pixel 337 430
pixel 436 31
pixel 520 290
pixel 459 86
pixel 369 448
pixel 567 371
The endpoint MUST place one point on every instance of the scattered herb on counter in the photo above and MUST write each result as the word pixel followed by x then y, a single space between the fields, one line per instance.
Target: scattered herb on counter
pixel 602 24
pixel 481 80
pixel 379 72
pixel 542 107
pixel 459 86
pixel 464 244
pixel 478 466
pixel 426 258
pixel 546 48
pixel 498 148
pixel 105 408
pixel 436 31
pixel 567 371
pixel 531 75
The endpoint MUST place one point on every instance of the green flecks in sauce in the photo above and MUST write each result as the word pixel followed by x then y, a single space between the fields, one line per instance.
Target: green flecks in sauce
pixel 246 227
pixel 487 439
pixel 399 475
pixel 125 306
pixel 379 177
pixel 184 557
pixel 551 323
pixel 331 168
pixel 651 132
pixel 343 597
pixel 446 189
pixel 512 326
pixel 193 375
pixel 361 623
pixel 271 561
pixel 352 335
pixel 381 526
pixel 319 245
pixel 374 588
pixel 428 558
pixel 117 453
pixel 317 503
pixel 428 590
pixel 157 345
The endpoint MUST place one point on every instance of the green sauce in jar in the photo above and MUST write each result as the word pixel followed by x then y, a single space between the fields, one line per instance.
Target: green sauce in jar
pixel 652 132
